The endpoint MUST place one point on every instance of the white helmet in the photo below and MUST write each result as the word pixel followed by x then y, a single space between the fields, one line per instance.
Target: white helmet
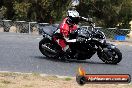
pixel 73 16
pixel 72 13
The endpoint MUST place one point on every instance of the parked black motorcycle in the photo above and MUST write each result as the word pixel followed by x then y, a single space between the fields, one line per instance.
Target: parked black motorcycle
pixel 88 42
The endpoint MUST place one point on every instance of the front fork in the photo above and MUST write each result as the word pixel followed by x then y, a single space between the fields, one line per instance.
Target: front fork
pixel 106 49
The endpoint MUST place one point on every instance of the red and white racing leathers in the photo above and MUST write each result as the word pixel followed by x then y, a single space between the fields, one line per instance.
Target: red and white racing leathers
pixel 65 30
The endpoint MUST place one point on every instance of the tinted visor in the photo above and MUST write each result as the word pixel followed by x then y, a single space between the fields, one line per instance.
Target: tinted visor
pixel 75 20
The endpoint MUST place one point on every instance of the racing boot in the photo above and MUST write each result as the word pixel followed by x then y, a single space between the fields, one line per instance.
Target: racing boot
pixel 66 54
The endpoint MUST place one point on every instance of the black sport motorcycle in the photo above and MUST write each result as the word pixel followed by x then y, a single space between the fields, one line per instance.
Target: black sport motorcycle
pixel 88 42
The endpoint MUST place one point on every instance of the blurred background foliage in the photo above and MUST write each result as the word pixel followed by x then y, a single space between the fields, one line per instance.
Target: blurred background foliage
pixel 106 13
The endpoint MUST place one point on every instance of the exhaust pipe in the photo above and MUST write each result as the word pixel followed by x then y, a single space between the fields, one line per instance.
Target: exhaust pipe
pixel 48 49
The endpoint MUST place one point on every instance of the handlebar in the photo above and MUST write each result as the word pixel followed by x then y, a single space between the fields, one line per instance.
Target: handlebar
pixel 90 20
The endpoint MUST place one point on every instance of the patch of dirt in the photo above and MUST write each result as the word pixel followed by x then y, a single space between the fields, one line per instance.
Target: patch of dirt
pixel 15 80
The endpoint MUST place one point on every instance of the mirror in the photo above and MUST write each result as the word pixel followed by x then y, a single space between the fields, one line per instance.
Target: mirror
pixel 75 2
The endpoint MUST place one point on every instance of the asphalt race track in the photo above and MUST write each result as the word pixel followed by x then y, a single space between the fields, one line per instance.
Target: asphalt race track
pixel 20 53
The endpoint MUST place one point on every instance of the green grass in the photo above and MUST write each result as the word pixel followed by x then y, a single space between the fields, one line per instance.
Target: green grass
pixel 35 74
pixel 68 79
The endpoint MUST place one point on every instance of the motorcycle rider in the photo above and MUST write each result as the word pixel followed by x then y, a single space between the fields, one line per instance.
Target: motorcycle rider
pixel 69 24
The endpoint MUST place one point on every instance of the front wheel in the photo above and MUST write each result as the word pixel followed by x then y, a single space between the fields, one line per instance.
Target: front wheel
pixel 110 56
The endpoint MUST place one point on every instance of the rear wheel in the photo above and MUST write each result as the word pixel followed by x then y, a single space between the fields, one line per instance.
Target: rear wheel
pixel 47 48
pixel 110 56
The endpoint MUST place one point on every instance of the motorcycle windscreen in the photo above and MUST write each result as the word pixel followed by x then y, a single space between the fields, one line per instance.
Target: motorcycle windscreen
pixel 49 30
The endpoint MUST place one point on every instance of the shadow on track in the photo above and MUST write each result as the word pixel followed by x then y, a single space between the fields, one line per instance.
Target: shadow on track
pixel 69 61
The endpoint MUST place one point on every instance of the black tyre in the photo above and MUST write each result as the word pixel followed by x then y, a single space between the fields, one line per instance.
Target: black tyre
pixel 47 48
pixel 110 56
